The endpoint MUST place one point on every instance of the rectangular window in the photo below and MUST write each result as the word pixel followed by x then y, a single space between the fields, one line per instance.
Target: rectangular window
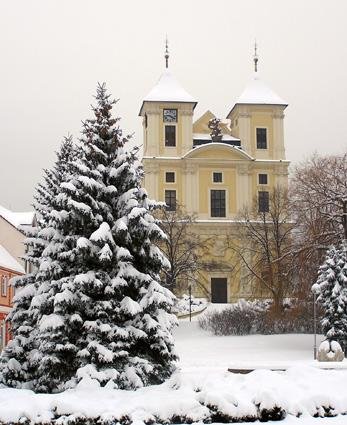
pixel 217 177
pixel 170 135
pixel 170 177
pixel 262 178
pixel 170 200
pixel 261 138
pixel 4 286
pixel 263 201
pixel 217 203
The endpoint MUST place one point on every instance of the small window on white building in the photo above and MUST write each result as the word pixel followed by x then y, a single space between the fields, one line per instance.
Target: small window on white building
pixel 217 177
pixel 262 178
pixel 170 177
pixel 261 138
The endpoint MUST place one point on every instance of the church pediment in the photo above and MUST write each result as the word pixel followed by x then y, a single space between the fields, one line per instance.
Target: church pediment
pixel 218 151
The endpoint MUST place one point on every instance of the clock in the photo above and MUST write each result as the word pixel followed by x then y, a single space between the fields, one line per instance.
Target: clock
pixel 170 115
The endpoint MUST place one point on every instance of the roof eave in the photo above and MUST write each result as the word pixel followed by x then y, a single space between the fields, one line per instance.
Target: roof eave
pixel 165 101
pixel 260 104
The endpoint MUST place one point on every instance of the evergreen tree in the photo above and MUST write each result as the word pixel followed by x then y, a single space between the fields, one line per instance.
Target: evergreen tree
pixel 18 359
pixel 331 288
pixel 99 307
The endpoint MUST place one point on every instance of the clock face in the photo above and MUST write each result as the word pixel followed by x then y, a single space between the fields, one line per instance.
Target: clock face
pixel 170 115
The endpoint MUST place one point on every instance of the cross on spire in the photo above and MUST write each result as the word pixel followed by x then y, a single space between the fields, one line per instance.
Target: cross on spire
pixel 255 57
pixel 167 53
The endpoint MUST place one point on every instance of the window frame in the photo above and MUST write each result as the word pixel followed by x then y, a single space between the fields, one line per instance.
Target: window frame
pixel 267 179
pixel 4 285
pixel 165 140
pixel 170 207
pixel 220 208
pixel 174 177
pixel 217 172
pixel 261 202
pixel 266 140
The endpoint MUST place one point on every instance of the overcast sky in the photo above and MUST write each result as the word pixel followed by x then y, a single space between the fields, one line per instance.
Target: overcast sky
pixel 54 52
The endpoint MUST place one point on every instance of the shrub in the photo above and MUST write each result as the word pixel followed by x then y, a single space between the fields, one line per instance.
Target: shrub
pixel 257 317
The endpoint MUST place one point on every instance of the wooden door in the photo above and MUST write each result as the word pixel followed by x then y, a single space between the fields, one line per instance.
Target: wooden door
pixel 219 290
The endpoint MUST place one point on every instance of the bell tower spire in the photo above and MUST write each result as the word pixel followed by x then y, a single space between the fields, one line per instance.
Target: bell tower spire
pixel 255 57
pixel 166 53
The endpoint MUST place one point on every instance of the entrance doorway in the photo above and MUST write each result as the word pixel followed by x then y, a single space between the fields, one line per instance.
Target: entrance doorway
pixel 219 290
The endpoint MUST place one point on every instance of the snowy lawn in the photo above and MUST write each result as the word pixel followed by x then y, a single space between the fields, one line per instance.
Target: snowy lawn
pixel 202 389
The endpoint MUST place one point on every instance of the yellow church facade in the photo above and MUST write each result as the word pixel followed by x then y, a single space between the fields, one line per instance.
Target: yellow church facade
pixel 214 178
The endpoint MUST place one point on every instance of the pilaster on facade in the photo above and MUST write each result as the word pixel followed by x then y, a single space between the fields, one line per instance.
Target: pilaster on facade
pixel 244 184
pixel 191 183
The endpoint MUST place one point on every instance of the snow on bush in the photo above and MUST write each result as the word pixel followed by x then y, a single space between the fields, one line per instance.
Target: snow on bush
pixel 330 351
pixel 255 317
pixel 181 306
pixel 187 397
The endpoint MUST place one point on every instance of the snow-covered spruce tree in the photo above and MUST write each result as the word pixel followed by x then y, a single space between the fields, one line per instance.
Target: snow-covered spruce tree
pixel 17 363
pixel 102 313
pixel 331 289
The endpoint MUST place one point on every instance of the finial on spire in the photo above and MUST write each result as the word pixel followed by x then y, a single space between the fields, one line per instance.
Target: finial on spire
pixel 166 53
pixel 255 57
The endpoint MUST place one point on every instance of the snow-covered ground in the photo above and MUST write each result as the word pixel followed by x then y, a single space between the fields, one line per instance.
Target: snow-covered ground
pixel 198 348
pixel 203 389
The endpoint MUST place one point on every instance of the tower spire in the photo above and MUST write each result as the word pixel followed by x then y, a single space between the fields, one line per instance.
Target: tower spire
pixel 167 53
pixel 255 57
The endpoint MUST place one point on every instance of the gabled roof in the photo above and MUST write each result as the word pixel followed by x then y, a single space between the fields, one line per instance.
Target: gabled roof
pixel 17 219
pixel 168 89
pixel 9 262
pixel 258 93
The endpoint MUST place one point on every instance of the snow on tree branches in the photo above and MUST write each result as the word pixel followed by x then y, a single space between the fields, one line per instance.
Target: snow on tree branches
pixel 331 289
pixel 99 310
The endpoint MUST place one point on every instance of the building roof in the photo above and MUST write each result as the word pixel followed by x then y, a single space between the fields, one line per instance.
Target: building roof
pixel 9 262
pixel 207 136
pixel 168 89
pixel 17 219
pixel 258 93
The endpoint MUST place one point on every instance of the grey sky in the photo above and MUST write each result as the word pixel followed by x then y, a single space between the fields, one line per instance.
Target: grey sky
pixel 54 52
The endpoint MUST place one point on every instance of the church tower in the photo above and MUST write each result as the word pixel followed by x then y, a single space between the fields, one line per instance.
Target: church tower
pixel 257 119
pixel 167 117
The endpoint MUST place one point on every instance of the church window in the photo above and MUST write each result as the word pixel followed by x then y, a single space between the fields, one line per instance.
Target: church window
pixel 261 138
pixel 170 200
pixel 263 201
pixel 4 286
pixel 170 135
pixel 262 178
pixel 217 177
pixel 170 115
pixel 217 203
pixel 170 177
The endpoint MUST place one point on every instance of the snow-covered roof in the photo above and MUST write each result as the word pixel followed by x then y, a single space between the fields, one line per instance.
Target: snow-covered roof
pixel 207 136
pixel 9 262
pixel 168 89
pixel 17 219
pixel 258 93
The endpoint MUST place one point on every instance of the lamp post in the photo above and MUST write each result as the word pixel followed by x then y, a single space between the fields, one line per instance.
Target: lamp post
pixel 190 303
pixel 314 327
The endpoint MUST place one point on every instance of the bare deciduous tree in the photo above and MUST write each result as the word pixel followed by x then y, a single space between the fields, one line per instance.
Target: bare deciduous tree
pixel 318 193
pixel 184 249
pixel 264 244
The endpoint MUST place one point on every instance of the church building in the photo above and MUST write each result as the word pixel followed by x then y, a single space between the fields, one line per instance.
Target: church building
pixel 213 178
